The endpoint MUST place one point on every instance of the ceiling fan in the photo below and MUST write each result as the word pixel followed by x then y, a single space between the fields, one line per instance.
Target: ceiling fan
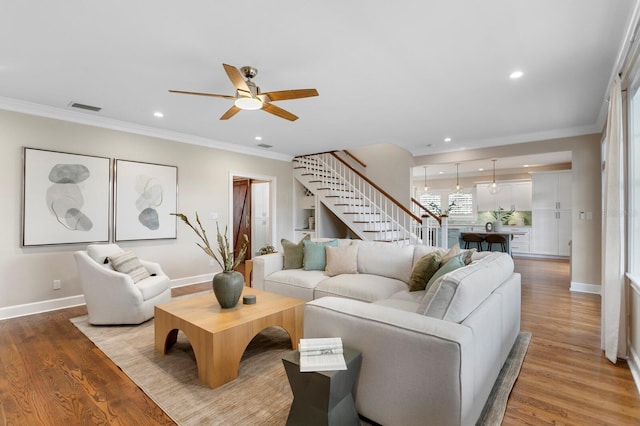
pixel 249 97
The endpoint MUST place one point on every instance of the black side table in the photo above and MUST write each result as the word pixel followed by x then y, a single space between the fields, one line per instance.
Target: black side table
pixel 323 397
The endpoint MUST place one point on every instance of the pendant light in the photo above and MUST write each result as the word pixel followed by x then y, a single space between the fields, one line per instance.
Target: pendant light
pixel 494 188
pixel 426 188
pixel 458 187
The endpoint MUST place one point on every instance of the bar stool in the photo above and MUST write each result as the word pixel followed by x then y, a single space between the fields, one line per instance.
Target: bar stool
pixel 496 239
pixel 472 238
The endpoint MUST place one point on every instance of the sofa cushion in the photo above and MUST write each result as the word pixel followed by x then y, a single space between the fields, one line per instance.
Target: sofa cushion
pixel 342 260
pixel 297 278
pixel 420 250
pixel 385 259
pixel 293 252
pixel 461 291
pixel 315 257
pixel 152 286
pixel 446 267
pixel 365 287
pixel 423 270
pixel 100 252
pixel 447 255
pixel 128 263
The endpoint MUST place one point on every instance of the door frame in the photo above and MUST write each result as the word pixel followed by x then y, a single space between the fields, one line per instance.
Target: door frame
pixel 272 200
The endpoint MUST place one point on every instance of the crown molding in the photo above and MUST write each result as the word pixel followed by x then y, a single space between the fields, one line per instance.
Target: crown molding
pixel 30 108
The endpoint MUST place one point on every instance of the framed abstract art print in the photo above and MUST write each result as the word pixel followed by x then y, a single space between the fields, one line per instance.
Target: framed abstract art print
pixel 65 198
pixel 145 195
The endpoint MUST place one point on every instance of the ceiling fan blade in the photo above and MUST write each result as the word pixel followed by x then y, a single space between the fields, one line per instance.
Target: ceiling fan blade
pixel 272 109
pixel 213 95
pixel 230 113
pixel 236 78
pixel 284 95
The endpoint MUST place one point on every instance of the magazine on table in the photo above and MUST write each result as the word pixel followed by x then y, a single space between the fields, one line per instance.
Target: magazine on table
pixel 322 354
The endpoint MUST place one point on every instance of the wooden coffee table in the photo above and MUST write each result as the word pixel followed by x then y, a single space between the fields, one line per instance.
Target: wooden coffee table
pixel 220 336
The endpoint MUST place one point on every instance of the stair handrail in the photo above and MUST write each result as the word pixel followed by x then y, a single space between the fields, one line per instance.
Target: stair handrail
pixel 382 191
pixel 429 212
pixel 354 158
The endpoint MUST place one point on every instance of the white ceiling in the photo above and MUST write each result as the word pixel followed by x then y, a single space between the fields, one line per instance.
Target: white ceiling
pixel 405 72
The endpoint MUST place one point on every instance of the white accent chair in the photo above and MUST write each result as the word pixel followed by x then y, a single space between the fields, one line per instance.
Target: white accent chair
pixel 112 297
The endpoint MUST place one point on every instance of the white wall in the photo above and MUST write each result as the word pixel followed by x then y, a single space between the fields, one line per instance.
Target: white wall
pixel 26 274
pixel 586 194
pixel 389 166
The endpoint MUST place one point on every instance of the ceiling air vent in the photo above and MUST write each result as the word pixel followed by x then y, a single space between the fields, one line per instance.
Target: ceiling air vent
pixel 264 145
pixel 87 107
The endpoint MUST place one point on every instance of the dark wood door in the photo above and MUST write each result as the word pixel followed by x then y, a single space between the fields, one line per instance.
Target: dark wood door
pixel 241 214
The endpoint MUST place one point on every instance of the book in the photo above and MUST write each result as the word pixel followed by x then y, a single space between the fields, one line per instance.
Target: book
pixel 319 344
pixel 328 362
pixel 321 354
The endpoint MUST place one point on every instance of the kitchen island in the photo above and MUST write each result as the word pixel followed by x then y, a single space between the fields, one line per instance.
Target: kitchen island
pixel 496 247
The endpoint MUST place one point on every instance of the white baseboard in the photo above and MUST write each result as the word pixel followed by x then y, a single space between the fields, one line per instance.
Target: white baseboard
pixel 39 307
pixel 634 365
pixel 197 279
pixel 585 288
pixel 71 301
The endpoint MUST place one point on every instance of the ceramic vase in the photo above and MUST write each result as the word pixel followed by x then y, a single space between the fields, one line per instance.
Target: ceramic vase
pixel 227 286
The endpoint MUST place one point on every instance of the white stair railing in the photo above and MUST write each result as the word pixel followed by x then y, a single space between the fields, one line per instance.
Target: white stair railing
pixel 373 214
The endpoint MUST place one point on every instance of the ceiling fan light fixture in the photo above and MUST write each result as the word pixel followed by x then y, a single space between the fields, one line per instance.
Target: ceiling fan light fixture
pixel 248 103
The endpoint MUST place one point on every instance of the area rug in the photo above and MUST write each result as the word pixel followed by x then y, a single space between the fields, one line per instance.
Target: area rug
pixel 259 396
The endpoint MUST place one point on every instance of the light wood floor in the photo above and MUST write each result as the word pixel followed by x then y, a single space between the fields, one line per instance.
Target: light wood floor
pixel 50 374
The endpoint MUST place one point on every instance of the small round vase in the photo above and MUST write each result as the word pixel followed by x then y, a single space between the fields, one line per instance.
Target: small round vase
pixel 227 286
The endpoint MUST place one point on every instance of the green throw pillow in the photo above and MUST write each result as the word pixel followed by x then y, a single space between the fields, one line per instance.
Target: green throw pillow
pixel 293 252
pixel 454 263
pixel 423 271
pixel 315 257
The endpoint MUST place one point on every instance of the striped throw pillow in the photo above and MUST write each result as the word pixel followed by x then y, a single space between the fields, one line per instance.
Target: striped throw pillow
pixel 128 263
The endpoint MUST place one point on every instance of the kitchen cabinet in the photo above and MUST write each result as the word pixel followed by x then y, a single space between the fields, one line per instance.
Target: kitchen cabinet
pixel 515 195
pixel 521 243
pixel 551 213
pixel 522 196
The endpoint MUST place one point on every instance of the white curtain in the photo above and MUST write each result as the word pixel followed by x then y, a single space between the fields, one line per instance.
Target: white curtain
pixel 613 315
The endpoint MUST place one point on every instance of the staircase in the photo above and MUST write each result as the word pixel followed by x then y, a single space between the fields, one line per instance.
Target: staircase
pixel 364 207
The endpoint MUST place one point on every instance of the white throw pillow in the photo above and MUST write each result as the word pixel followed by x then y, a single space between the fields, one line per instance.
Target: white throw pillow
pixel 100 252
pixel 128 263
pixel 342 260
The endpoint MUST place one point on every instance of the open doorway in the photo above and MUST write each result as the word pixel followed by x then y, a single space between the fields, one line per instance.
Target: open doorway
pixel 252 211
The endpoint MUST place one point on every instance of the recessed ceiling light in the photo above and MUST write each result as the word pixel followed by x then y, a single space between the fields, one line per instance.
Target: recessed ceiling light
pixel 516 74
pixel 258 138
pixel 526 165
pixel 158 114
pixel 440 173
pixel 480 169
pixel 447 139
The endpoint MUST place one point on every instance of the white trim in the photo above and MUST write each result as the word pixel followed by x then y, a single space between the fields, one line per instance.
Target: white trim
pixel 273 183
pixel 39 307
pixel 196 279
pixel 585 288
pixel 634 365
pixel 123 126
pixel 72 301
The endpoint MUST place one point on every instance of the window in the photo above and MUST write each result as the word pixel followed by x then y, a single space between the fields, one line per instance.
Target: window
pixel 429 200
pixel 464 203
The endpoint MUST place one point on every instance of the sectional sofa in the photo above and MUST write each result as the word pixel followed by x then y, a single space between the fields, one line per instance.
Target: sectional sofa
pixel 429 356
